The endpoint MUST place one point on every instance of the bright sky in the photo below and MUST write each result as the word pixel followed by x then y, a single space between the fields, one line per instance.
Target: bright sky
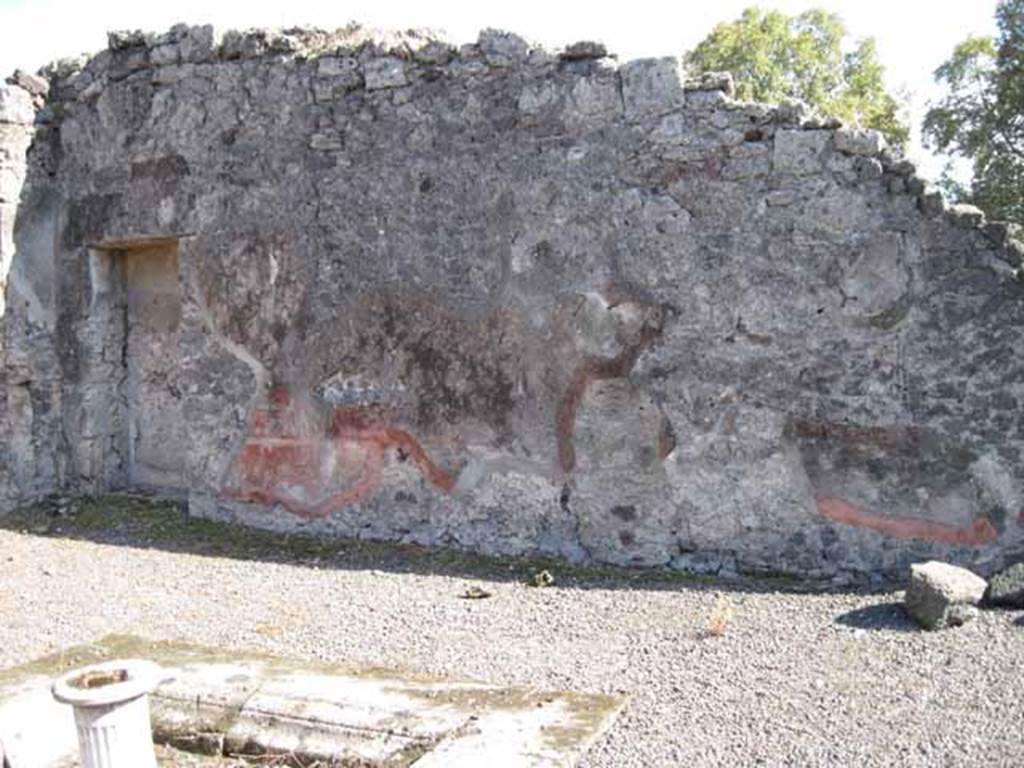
pixel 914 36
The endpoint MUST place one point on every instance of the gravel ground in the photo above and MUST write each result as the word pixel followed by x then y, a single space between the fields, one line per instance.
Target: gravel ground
pixel 715 674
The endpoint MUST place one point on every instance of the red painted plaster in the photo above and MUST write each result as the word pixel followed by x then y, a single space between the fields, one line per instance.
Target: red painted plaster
pixel 281 463
pixel 977 533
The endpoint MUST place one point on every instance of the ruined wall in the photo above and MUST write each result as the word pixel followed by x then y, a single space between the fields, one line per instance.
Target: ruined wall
pixel 18 101
pixel 508 300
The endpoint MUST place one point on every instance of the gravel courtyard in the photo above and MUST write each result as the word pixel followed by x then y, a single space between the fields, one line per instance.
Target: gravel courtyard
pixel 755 673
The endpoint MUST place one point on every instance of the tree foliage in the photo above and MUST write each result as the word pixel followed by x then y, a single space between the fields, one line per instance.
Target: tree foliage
pixel 773 57
pixel 981 117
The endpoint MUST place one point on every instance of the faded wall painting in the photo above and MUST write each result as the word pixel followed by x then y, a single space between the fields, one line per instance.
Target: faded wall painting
pixel 504 299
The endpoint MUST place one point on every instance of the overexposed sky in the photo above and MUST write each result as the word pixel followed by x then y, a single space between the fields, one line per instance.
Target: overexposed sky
pixel 914 36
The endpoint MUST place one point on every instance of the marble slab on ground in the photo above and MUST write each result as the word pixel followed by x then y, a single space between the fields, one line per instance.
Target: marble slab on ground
pixel 219 702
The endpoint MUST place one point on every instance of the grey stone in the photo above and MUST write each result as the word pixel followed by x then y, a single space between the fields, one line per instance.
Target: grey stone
pixel 336 76
pixel 197 44
pixel 868 168
pixel 941 595
pixel 167 75
pixel 594 99
pixel 387 72
pixel 651 87
pixel 859 141
pixel 706 99
pixel 800 152
pixel 502 49
pixel 335 66
pixel 162 55
pixel 243 45
pixel 897 185
pixel 1006 588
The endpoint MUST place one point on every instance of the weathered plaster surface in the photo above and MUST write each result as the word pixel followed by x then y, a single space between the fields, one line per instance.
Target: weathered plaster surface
pixel 17 114
pixel 508 300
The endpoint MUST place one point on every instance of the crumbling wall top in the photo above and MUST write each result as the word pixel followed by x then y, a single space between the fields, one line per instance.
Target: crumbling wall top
pixel 358 58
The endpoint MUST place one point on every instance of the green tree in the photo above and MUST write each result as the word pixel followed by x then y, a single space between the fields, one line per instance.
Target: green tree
pixel 981 117
pixel 773 56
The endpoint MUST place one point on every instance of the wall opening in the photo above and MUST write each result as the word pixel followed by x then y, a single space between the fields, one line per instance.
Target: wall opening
pixel 152 312
pixel 148 437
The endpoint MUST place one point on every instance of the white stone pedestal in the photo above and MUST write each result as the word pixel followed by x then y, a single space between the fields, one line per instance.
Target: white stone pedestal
pixel 111 705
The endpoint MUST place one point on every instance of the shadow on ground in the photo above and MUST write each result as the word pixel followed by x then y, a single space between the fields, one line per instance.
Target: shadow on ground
pixel 884 616
pixel 142 522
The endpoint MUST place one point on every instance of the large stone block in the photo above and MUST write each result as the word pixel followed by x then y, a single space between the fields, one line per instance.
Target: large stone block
pixel 387 72
pixel 801 152
pixel 651 87
pixel 859 141
pixel 941 595
pixel 197 44
pixel 502 49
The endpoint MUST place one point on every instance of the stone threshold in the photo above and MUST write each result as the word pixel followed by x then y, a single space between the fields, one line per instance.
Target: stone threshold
pixel 237 704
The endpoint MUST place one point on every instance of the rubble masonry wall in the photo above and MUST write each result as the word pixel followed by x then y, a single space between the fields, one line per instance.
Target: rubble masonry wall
pixel 507 300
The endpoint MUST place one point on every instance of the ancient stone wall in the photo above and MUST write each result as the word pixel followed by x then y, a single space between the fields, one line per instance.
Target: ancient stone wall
pixel 19 99
pixel 508 300
pixel 17 114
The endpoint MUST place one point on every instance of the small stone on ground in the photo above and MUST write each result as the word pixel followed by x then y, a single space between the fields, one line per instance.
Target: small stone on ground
pixel 1006 588
pixel 943 595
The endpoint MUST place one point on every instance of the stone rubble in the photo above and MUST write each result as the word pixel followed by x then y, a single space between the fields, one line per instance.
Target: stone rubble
pixel 1006 588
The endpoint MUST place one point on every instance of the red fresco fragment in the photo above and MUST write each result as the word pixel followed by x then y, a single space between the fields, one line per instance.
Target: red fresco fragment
pixel 279 464
pixel 977 533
